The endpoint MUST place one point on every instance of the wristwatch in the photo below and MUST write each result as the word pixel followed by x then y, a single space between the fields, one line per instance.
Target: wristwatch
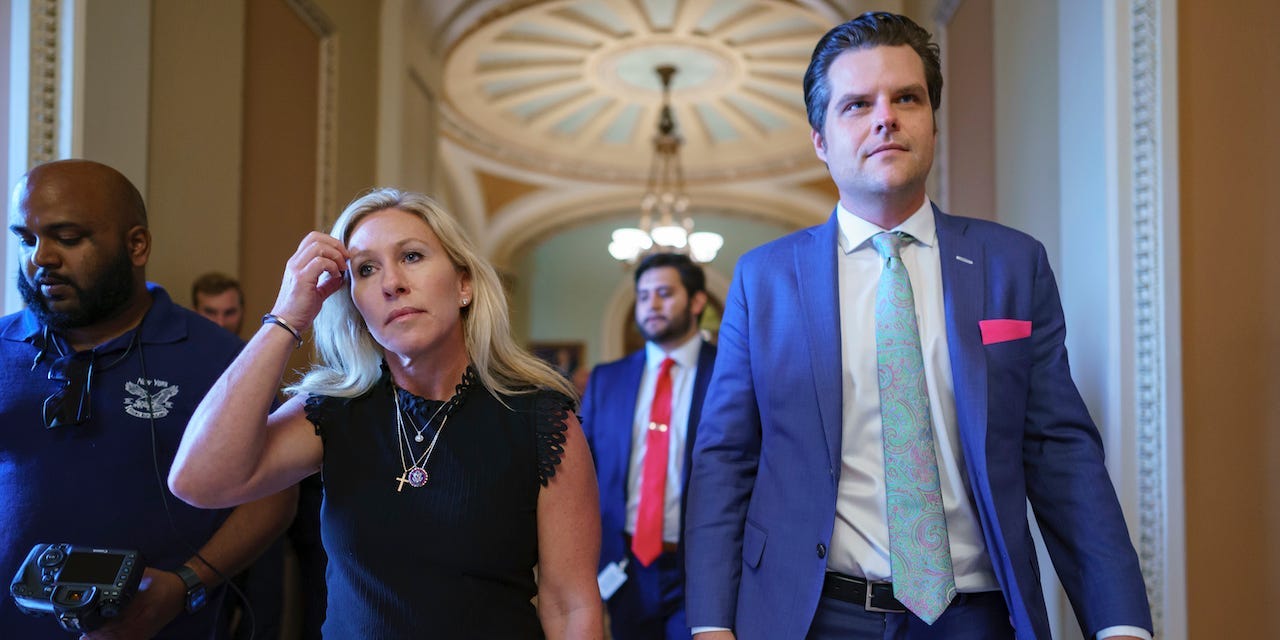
pixel 195 588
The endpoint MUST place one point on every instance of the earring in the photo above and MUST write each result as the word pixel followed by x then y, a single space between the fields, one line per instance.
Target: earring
pixel 466 301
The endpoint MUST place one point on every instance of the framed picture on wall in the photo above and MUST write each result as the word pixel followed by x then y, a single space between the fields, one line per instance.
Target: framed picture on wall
pixel 565 357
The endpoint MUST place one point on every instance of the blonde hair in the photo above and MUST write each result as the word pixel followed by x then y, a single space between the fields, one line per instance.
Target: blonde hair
pixel 349 360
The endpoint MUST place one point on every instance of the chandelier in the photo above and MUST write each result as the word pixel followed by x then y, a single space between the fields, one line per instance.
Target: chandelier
pixel 665 225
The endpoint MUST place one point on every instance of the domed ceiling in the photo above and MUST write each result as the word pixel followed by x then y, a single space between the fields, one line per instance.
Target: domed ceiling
pixel 568 87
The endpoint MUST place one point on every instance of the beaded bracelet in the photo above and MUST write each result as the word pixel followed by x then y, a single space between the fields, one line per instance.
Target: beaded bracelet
pixel 277 320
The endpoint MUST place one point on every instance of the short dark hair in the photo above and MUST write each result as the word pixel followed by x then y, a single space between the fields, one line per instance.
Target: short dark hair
pixel 691 275
pixel 212 284
pixel 871 29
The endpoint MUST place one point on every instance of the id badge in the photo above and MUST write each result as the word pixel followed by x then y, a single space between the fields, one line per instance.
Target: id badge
pixel 611 578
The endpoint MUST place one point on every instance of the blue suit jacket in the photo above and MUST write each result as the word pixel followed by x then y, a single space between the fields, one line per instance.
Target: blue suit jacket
pixel 608 415
pixel 767 458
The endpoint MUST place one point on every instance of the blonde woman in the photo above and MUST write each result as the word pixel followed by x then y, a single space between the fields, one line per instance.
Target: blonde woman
pixel 452 459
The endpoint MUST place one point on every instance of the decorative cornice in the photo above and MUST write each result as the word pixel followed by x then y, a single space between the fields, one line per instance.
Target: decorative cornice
pixel 42 145
pixel 1149 346
pixel 511 153
pixel 467 18
pixel 465 13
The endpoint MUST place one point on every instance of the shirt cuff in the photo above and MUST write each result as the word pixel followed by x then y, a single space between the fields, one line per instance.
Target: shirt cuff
pixel 696 630
pixel 1111 632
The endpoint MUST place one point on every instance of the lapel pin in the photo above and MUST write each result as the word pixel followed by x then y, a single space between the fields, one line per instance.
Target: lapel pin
pixel 964 260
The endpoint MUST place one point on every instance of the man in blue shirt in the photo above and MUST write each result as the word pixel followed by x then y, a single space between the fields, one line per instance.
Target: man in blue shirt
pixel 98 378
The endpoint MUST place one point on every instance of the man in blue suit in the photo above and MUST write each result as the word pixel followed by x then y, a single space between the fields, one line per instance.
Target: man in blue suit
pixel 642 497
pixel 892 388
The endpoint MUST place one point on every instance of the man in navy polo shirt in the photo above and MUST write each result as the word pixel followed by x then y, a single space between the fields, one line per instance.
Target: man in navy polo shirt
pixel 98 377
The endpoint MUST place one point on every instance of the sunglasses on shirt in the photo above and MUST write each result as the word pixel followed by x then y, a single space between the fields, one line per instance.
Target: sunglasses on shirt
pixel 70 404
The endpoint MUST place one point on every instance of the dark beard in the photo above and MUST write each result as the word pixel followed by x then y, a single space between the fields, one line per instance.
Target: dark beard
pixel 108 292
pixel 678 326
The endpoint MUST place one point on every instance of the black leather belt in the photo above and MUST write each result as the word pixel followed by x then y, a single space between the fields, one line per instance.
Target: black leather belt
pixel 874 596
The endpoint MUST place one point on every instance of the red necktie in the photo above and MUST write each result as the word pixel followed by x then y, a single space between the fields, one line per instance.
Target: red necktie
pixel 647 542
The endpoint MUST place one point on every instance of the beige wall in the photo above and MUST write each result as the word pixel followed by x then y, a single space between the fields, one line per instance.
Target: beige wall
pixel 197 135
pixel 356 28
pixel 970 105
pixel 197 67
pixel 412 92
pixel 112 105
pixel 281 132
pixel 1229 92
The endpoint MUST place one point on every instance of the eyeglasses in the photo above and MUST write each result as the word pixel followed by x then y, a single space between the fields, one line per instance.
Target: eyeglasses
pixel 70 404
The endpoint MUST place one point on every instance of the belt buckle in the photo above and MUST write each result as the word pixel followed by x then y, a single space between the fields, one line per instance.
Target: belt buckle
pixel 867 601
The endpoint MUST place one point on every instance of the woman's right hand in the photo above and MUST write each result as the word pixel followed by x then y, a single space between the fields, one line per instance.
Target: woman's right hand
pixel 313 274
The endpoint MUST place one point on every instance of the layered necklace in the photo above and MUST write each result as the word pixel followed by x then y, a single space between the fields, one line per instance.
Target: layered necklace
pixel 415 467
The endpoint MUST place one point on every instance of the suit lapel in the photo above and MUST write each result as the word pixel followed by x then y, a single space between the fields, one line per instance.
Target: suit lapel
pixel 819 289
pixel 706 364
pixel 624 414
pixel 963 265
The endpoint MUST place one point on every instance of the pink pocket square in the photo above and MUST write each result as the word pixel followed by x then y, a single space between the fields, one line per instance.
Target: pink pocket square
pixel 994 331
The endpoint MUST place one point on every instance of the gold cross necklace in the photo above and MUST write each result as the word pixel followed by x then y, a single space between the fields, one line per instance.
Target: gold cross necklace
pixel 416 475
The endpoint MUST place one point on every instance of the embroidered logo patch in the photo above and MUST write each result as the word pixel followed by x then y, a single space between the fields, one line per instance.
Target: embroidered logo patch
pixel 149 398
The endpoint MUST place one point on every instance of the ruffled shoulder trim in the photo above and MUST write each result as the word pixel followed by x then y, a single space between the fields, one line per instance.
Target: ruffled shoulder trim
pixel 322 410
pixel 551 409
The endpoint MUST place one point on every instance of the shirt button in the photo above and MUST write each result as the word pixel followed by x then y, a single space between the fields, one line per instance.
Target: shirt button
pixel 822 550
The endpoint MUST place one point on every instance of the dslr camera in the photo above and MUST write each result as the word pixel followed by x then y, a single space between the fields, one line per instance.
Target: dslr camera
pixel 83 587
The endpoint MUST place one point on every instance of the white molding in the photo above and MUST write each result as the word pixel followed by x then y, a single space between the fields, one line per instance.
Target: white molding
pixel 1147 352
pixel 939 183
pixel 1174 607
pixel 18 153
pixel 1156 316
pixel 72 40
pixel 44 98
pixel 1144 124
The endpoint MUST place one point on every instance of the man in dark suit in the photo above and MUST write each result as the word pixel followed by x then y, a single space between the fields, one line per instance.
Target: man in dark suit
pixel 892 388
pixel 649 403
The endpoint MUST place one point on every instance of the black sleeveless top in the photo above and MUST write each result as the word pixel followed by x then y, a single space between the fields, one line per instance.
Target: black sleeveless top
pixel 453 558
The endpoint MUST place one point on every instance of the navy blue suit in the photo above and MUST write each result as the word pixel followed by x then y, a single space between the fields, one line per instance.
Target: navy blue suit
pixel 608 417
pixel 762 497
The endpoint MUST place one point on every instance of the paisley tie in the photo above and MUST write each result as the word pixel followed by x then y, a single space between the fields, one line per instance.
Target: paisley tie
pixel 920 552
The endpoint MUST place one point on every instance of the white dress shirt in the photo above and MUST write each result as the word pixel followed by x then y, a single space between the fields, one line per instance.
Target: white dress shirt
pixel 860 542
pixel 683 374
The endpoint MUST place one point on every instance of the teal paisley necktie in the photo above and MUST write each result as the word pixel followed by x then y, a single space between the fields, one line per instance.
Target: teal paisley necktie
pixel 920 552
